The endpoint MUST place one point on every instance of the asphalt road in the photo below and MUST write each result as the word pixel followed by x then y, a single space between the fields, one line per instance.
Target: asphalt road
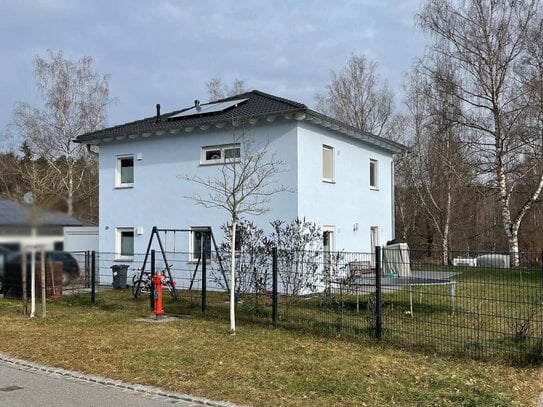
pixel 27 384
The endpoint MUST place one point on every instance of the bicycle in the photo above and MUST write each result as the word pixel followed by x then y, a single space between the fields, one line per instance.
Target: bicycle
pixel 143 284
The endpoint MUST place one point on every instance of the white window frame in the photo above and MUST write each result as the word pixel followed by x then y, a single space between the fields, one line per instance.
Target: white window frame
pixel 219 158
pixel 374 183
pixel 327 252
pixel 328 151
pixel 192 243
pixel 118 172
pixel 331 231
pixel 118 243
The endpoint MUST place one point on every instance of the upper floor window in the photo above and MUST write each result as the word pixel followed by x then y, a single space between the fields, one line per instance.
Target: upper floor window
pixel 327 163
pixel 220 154
pixel 374 175
pixel 124 176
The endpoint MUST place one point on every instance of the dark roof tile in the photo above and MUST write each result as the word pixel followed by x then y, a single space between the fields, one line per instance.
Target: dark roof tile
pixel 258 104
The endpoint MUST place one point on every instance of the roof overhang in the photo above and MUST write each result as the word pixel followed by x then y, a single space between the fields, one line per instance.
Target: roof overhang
pixel 178 127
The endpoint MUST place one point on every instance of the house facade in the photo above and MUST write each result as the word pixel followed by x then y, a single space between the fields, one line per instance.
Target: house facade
pixel 338 177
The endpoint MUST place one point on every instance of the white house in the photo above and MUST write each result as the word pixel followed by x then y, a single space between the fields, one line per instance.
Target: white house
pixel 341 177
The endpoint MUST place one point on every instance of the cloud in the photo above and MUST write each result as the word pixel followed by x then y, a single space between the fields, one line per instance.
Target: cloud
pixel 165 51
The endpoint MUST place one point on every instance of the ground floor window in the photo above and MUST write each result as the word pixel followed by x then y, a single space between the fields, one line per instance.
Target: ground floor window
pixel 125 243
pixel 328 244
pixel 200 240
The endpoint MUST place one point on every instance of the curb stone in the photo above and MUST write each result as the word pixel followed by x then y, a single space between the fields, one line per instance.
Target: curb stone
pixel 199 401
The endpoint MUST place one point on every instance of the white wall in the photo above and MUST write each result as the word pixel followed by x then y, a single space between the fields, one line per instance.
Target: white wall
pixel 47 241
pixel 159 195
pixel 348 204
pixel 80 238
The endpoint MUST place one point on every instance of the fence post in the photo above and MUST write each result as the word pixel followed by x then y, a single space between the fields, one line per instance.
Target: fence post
pixel 275 313
pixel 204 273
pixel 152 293
pixel 93 277
pixel 87 269
pixel 378 320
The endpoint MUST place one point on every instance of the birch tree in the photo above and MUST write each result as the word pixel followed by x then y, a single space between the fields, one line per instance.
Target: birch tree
pixel 487 42
pixel 356 96
pixel 217 90
pixel 75 99
pixel 437 166
pixel 244 184
pixel 40 184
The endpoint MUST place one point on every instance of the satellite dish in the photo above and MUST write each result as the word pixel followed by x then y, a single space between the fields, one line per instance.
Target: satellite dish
pixel 28 198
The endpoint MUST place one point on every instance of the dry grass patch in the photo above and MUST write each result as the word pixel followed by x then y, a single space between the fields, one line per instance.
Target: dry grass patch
pixel 259 366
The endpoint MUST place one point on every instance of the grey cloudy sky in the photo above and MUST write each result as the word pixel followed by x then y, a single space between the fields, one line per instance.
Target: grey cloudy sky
pixel 164 51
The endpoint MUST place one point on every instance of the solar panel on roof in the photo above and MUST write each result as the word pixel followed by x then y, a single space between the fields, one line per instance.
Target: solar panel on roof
pixel 209 108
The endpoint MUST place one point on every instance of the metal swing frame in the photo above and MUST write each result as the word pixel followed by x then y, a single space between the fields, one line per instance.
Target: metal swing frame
pixel 155 232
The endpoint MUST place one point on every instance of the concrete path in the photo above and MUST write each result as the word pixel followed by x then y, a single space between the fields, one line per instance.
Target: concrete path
pixel 24 383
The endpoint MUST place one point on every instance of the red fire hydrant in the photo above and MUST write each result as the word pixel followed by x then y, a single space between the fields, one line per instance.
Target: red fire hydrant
pixel 157 281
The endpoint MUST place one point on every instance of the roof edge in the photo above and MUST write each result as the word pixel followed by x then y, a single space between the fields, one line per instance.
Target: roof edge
pixel 390 145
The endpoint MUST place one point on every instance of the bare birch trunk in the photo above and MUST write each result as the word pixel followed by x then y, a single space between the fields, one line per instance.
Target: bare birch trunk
pixel 70 192
pixel 233 278
pixel 508 227
pixel 43 285
pixel 446 227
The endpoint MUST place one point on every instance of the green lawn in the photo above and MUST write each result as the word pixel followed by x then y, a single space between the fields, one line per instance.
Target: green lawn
pixel 260 366
pixel 498 315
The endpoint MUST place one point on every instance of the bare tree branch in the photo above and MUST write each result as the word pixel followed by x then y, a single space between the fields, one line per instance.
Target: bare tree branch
pixel 355 96
pixel 489 43
pixel 243 185
pixel 75 101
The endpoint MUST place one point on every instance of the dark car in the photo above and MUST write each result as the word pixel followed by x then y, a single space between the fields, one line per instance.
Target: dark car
pixel 12 267
pixel 4 254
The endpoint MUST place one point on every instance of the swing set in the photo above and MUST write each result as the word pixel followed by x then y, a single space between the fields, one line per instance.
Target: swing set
pixel 206 234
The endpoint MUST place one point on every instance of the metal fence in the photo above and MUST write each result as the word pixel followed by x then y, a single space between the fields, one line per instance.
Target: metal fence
pixel 474 305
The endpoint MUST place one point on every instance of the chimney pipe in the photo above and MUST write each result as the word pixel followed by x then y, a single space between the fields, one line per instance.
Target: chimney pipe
pixel 157 112
pixel 197 105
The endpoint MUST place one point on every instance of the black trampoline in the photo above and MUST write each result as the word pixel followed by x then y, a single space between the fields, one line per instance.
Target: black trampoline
pixel 400 282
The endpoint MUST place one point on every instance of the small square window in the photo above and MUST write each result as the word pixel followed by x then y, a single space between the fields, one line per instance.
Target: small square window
pixel 125 171
pixel 200 240
pixel 125 243
pixel 374 175
pixel 220 154
pixel 327 163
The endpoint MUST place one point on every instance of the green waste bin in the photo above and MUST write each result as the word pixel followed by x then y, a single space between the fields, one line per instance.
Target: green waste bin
pixel 120 272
